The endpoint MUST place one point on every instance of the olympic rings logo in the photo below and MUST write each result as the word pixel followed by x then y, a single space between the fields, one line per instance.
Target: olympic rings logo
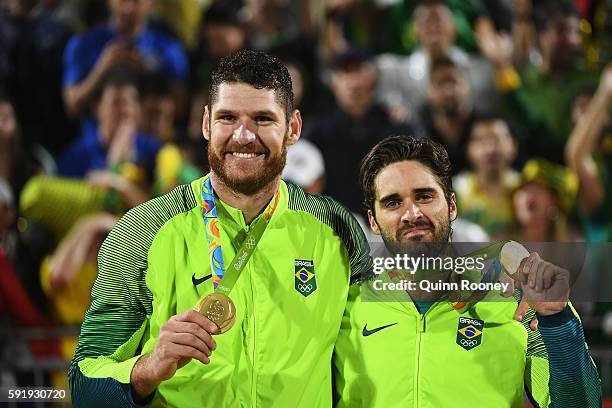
pixel 250 243
pixel 468 343
pixel 304 288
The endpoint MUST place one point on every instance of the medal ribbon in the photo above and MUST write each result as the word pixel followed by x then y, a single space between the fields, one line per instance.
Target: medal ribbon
pixel 492 274
pixel 224 279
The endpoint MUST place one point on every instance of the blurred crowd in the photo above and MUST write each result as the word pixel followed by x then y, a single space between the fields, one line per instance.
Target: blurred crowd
pixel 101 105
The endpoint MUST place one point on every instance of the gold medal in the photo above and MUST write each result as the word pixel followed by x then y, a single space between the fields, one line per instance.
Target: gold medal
pixel 219 309
pixel 511 256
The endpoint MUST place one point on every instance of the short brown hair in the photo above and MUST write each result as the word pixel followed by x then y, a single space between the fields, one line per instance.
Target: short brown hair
pixel 258 69
pixel 399 148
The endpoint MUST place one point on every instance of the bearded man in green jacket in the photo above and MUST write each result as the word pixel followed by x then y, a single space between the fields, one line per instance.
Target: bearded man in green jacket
pixel 227 292
pixel 427 349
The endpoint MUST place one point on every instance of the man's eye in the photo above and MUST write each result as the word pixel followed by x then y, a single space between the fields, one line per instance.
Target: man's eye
pixel 226 118
pixel 263 119
pixel 424 197
pixel 392 204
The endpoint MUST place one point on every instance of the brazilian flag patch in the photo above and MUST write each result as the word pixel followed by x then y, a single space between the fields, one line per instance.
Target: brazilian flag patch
pixel 305 279
pixel 469 332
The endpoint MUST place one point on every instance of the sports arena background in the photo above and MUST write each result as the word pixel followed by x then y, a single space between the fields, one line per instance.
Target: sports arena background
pixel 93 124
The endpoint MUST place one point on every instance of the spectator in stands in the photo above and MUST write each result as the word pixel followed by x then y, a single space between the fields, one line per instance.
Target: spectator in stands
pixel 589 154
pixel 116 139
pixel 305 167
pixel 484 194
pixel 32 41
pixel 75 255
pixel 19 159
pixel 223 33
pixel 274 23
pixel 537 99
pixel 352 127
pixel 404 80
pixel 18 162
pixel 449 114
pixel 310 95
pixel 126 40
pixel 18 299
pixel 542 202
pixel 158 108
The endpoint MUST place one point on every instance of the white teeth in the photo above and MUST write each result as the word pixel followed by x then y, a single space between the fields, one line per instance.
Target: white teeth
pixel 245 155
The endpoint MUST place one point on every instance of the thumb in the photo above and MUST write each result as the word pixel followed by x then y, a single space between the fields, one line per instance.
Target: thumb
pixel 521 310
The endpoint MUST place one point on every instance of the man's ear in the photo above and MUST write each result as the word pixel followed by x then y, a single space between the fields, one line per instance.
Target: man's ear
pixel 206 123
pixel 373 224
pixel 452 207
pixel 295 127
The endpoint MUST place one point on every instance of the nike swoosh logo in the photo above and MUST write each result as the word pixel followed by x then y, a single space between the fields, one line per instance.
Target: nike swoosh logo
pixel 196 282
pixel 367 332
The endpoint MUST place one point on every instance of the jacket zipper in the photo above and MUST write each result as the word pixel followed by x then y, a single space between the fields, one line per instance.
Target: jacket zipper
pixel 253 339
pixel 420 331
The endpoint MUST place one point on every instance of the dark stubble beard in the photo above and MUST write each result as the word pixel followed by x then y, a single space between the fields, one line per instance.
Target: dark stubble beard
pixel 414 248
pixel 272 168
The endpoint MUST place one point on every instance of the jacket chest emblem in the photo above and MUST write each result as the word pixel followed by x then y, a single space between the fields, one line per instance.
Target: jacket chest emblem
pixel 469 332
pixel 305 279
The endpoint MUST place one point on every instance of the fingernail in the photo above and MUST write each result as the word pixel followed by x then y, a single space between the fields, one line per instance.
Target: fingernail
pixel 214 344
pixel 519 317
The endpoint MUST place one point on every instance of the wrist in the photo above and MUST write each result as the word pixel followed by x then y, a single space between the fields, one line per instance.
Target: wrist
pixel 554 318
pixel 142 380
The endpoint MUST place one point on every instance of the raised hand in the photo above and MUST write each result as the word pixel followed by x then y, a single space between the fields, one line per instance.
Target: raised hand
pixel 497 47
pixel 545 286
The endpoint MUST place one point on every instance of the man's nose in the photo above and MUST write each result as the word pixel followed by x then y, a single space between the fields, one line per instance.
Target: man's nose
pixel 243 136
pixel 413 213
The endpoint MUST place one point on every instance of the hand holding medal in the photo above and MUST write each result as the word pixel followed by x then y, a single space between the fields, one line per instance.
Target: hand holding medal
pixel 184 337
pixel 545 285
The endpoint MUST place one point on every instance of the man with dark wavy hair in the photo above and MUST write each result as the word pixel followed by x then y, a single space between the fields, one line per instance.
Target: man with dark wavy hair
pixel 427 349
pixel 227 292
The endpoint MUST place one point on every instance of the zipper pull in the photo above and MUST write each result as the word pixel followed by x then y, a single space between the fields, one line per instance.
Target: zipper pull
pixel 422 324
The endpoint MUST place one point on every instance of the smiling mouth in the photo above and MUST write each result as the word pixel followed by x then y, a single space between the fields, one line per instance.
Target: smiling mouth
pixel 245 155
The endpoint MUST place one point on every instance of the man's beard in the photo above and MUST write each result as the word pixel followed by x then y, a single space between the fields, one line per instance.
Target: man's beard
pixel 415 246
pixel 251 184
